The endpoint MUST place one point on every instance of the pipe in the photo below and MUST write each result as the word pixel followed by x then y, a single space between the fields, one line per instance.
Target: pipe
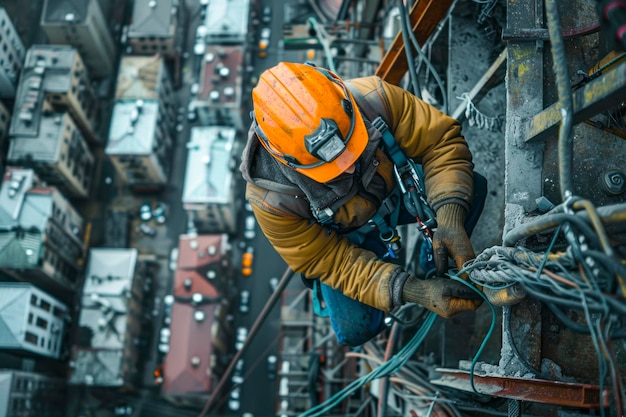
pixel 565 99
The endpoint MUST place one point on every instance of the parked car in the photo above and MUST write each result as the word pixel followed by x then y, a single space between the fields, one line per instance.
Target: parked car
pixel 200 44
pixel 173 259
pixel 271 367
pixel 145 211
pixel 273 284
pixel 147 230
pixel 266 15
pixel 244 301
pixel 233 399
pixel 160 212
pixel 246 261
pixel 240 337
pixel 249 226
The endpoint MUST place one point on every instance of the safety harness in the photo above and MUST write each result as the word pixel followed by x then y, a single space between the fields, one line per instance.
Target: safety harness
pixel 410 188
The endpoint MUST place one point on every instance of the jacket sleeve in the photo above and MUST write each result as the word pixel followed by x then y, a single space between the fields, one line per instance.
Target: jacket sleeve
pixel 315 251
pixel 431 138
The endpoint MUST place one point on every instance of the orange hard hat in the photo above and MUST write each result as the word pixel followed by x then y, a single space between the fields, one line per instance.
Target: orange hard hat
pixel 307 119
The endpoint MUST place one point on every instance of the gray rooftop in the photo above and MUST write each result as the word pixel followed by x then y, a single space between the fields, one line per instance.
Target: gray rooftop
pixel 152 18
pixel 15 184
pixel 133 127
pixel 227 20
pixel 209 171
pixel 101 367
pixel 44 146
pixel 70 11
pixel 110 271
pixel 14 303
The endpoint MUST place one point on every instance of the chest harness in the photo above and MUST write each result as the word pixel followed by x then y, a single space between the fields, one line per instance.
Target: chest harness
pixel 409 192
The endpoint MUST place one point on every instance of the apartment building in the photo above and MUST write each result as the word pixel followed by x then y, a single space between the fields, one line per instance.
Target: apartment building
pixel 29 394
pixel 140 143
pixel 106 353
pixel 58 153
pixel 33 321
pixel 209 190
pixel 12 53
pixel 219 100
pixel 55 79
pixel 157 27
pixel 41 234
pixel 227 21
pixel 147 78
pixel 83 25
pixel 199 331
pixel 5 121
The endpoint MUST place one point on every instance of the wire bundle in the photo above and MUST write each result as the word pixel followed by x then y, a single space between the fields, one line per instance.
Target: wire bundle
pixel 387 368
pixel 586 277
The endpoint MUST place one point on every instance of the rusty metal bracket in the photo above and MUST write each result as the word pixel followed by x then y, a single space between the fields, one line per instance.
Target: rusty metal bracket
pixel 424 16
pixel 526 389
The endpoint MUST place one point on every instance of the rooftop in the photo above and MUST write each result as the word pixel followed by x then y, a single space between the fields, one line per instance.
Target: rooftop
pixel 209 171
pixel 153 18
pixel 133 127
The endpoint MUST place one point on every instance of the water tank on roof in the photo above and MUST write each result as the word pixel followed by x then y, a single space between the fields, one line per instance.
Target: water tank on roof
pixel 229 91
pixel 224 72
pixel 214 95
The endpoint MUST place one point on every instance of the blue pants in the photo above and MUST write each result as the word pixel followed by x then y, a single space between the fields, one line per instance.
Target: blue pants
pixel 355 323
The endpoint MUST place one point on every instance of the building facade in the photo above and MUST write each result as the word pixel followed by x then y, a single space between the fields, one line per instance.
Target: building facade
pixel 55 79
pixel 29 394
pixel 156 28
pixel 82 25
pixel 12 53
pixel 219 100
pixel 41 234
pixel 106 353
pixel 210 187
pixel 32 320
pixel 140 143
pixel 58 153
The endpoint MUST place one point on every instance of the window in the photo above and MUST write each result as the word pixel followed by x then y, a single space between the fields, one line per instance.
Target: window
pixel 31 338
pixel 33 299
pixel 41 322
pixel 45 305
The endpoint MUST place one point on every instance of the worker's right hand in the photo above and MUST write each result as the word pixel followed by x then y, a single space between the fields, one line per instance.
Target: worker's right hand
pixel 442 296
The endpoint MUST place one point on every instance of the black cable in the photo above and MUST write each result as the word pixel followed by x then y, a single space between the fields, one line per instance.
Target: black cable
pixel 405 21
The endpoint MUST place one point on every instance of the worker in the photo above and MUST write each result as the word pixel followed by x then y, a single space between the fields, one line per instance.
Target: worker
pixel 320 177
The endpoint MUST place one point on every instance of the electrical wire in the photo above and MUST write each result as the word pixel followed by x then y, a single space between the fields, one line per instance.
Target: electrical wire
pixel 388 368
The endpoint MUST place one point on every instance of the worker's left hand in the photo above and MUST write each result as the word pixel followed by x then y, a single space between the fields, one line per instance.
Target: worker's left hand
pixel 450 238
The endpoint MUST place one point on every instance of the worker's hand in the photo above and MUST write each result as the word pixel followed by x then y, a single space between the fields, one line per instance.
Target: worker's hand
pixel 450 238
pixel 442 296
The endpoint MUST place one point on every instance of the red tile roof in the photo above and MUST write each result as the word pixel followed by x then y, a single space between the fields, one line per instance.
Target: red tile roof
pixel 187 366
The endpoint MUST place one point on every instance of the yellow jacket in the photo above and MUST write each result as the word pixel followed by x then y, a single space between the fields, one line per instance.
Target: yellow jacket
pixel 432 139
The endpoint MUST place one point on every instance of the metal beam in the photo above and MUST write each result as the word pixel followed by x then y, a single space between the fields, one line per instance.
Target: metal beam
pixel 424 16
pixel 526 389
pixel 599 94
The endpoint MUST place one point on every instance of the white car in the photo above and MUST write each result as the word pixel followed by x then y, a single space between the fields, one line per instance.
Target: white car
pixel 273 284
pixel 244 301
pixel 173 259
pixel 250 225
pixel 200 45
pixel 240 338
